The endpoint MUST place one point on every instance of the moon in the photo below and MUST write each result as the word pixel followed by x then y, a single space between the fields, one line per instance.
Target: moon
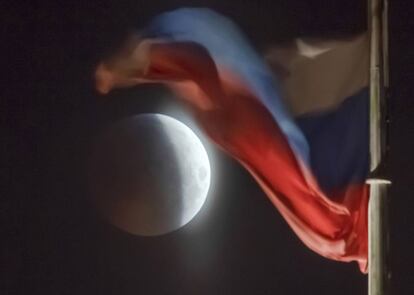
pixel 149 174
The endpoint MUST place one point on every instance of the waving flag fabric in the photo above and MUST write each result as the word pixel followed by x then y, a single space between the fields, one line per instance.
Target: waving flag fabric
pixel 310 160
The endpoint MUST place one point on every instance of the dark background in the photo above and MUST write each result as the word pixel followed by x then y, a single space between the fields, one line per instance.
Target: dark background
pixel 52 242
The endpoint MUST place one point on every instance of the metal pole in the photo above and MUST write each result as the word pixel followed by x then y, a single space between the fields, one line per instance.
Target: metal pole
pixel 377 215
pixel 378 237
pixel 376 83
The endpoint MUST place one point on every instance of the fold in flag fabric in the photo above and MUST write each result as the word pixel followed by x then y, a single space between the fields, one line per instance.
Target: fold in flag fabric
pixel 296 119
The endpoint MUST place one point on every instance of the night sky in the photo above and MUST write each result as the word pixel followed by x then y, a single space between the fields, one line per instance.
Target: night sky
pixel 52 240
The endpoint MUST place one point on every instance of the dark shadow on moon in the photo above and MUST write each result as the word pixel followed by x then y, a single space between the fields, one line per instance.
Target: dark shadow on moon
pixel 134 177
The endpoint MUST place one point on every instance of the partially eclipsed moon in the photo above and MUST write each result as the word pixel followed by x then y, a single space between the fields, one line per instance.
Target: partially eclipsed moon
pixel 149 174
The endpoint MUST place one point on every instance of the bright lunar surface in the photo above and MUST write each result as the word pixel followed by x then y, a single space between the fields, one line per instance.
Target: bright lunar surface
pixel 149 174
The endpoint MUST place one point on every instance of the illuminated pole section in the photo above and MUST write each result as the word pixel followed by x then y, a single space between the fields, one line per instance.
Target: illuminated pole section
pixel 378 274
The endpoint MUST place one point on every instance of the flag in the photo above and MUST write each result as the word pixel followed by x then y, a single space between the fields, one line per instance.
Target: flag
pixel 296 119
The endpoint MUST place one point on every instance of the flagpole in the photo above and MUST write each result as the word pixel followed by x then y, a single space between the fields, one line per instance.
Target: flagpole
pixel 378 273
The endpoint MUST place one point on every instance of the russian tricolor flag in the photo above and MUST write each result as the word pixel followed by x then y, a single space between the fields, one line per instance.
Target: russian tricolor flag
pixel 297 119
